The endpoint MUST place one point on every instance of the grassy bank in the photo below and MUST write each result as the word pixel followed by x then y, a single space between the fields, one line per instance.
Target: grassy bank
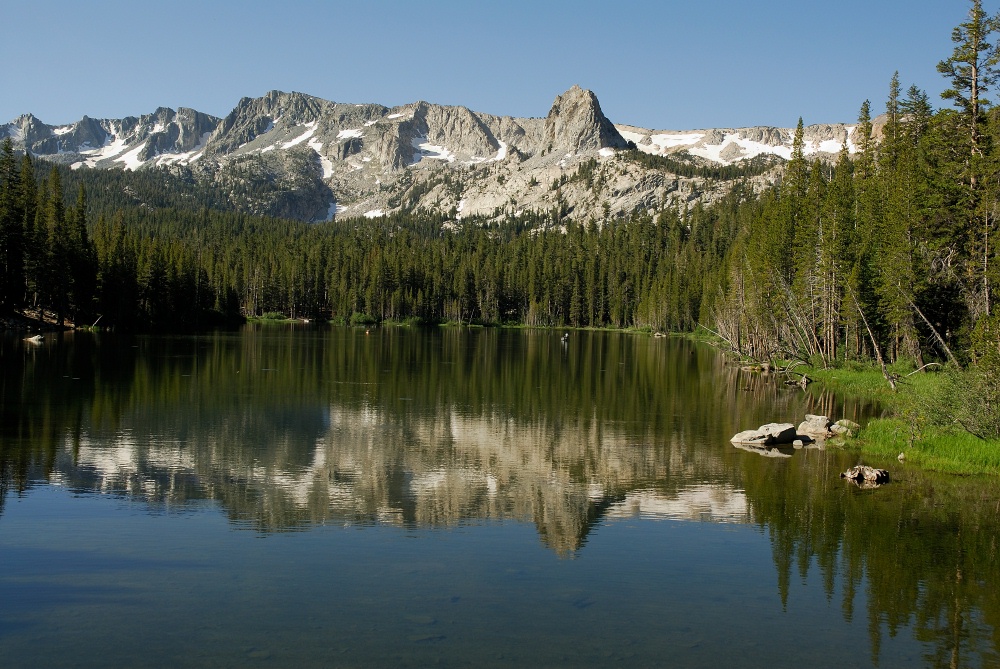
pixel 922 421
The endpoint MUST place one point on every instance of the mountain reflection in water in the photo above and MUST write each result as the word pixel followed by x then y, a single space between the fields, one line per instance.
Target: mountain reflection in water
pixel 291 427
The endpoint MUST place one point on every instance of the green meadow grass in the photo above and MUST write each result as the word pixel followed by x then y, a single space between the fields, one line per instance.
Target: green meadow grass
pixel 916 426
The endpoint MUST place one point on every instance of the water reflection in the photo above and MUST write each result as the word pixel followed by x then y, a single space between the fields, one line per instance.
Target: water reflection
pixel 290 428
pixel 703 503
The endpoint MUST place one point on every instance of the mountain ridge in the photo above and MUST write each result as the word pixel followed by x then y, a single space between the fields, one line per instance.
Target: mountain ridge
pixel 331 158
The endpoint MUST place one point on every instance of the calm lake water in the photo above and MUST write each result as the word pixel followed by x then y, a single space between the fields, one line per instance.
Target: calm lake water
pixel 303 496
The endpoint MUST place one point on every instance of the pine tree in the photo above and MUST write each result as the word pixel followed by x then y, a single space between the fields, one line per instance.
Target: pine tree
pixel 971 70
pixel 893 238
pixel 836 248
pixel 57 270
pixel 82 261
pixel 11 232
pixel 793 195
pixel 860 300
pixel 34 240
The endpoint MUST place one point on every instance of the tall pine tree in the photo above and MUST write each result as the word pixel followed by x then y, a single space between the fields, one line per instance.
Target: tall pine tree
pixel 971 70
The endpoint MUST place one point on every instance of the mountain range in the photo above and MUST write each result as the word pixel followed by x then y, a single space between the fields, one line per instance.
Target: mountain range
pixel 313 159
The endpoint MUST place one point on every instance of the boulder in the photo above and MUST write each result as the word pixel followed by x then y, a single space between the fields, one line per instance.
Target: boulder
pixel 766 435
pixel 817 427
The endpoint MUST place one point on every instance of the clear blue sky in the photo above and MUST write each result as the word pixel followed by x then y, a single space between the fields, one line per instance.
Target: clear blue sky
pixel 661 64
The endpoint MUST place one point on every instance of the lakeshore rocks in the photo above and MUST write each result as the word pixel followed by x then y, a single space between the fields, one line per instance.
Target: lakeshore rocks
pixel 813 430
pixel 780 440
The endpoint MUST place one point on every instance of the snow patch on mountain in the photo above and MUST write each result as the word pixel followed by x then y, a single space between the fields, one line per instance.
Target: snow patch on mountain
pixel 311 130
pixel 433 151
pixel 733 147
pixel 662 142
pixel 131 160
pixel 501 152
pixel 185 157
pixel 325 163
pixel 727 146
pixel 114 146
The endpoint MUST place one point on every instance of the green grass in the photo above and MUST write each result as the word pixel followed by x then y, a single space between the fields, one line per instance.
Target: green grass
pixel 270 317
pixel 915 426
pixel 869 383
pixel 934 448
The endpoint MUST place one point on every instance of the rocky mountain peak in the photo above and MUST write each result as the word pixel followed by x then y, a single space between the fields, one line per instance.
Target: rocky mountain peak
pixel 576 123
pixel 298 156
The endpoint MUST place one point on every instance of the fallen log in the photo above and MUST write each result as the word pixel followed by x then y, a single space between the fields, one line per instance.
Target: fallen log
pixel 865 476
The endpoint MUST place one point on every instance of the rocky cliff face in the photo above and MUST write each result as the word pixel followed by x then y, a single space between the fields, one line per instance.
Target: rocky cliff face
pixel 575 123
pixel 320 158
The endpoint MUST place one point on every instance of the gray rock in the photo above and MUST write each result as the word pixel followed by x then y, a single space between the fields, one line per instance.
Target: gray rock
pixel 817 427
pixel 732 151
pixel 767 435
pixel 763 135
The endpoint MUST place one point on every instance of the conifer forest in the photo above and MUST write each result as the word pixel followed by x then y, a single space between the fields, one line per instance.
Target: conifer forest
pixel 888 253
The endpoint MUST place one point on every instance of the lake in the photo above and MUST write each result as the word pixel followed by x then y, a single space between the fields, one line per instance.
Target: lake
pixel 295 495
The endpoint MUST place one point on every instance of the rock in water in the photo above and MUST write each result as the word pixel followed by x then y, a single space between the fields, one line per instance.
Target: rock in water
pixel 766 435
pixel 865 476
